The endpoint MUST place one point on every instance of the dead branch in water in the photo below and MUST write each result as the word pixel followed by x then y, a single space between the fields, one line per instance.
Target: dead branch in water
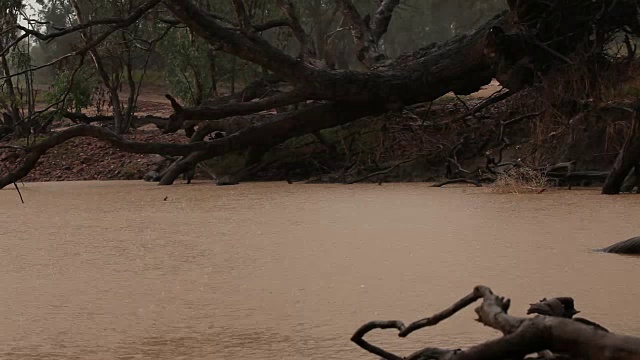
pixel 555 334
pixel 385 171
pixel 457 181
pixel 19 193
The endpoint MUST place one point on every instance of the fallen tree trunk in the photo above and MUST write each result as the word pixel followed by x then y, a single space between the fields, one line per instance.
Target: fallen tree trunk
pixel 557 334
pixel 272 131
pixel 515 47
pixel 459 65
pixel 80 118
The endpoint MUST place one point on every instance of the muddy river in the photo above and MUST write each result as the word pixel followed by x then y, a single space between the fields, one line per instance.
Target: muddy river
pixel 130 270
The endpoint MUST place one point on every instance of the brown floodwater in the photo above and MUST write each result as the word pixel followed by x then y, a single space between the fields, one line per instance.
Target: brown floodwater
pixel 109 270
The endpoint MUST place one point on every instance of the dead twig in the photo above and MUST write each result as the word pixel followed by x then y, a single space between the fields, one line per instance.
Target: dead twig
pixel 386 171
pixel 19 193
pixel 491 100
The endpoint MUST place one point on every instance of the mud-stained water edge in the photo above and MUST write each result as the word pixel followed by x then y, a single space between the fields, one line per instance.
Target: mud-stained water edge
pixel 109 270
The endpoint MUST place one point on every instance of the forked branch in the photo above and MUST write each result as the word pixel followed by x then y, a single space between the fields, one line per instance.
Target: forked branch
pixel 562 336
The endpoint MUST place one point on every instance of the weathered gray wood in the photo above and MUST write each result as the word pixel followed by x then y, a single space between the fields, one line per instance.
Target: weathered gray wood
pixel 557 336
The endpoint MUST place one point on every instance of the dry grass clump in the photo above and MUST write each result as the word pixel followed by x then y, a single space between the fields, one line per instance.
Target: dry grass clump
pixel 520 180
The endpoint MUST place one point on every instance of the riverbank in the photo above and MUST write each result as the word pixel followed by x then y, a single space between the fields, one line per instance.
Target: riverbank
pixel 382 140
pixel 421 143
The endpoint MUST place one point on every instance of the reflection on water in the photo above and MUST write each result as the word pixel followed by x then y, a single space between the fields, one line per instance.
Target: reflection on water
pixel 108 270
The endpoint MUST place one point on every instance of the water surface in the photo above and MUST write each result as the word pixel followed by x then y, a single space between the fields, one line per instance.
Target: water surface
pixel 109 270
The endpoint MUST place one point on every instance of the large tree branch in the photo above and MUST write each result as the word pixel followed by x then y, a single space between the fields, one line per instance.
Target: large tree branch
pixel 366 32
pixel 254 48
pixel 272 131
pixel 271 24
pixel 306 48
pixel 380 22
pixel 242 15
pixel 219 112
pixel 275 130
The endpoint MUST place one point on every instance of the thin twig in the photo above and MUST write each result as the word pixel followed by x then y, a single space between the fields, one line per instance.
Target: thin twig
pixel 19 193
pixel 495 98
pixel 386 171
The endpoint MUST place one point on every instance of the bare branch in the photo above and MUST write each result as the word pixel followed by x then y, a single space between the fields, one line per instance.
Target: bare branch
pixel 128 21
pixel 358 337
pixel 271 24
pixel 117 22
pixel 254 49
pixel 306 49
pixel 381 20
pixel 441 316
pixel 222 111
pixel 385 171
pixel 19 192
pixel 242 16
pixel 367 34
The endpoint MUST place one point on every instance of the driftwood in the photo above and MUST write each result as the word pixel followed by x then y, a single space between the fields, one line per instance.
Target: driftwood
pixel 628 247
pixel 552 334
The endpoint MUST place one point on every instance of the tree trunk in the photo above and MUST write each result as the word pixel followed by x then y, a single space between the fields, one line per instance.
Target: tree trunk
pixel 131 98
pixel 118 114
pixel 111 87
pixel 627 159
pixel 17 126
pixel 211 54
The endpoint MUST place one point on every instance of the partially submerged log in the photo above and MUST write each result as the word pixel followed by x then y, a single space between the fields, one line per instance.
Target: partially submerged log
pixel 578 177
pixel 458 181
pixel 628 247
pixel 552 335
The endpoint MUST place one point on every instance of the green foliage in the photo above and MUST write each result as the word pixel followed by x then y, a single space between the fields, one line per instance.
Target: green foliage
pixel 81 91
pixel 187 63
